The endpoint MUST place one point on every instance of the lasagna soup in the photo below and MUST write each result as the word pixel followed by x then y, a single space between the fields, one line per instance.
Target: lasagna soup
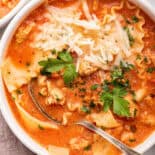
pixel 86 60
pixel 6 6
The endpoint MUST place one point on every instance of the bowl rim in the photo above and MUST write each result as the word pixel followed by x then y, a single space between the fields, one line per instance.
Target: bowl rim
pixel 4 20
pixel 13 124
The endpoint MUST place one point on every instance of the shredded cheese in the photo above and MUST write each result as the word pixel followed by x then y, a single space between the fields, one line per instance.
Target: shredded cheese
pixel 86 9
pixel 94 40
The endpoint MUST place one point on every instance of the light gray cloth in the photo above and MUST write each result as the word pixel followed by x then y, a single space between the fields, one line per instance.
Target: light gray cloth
pixel 9 144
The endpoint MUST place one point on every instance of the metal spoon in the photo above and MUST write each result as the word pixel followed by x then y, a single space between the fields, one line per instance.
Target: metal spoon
pixel 38 105
pixel 124 148
pixel 108 137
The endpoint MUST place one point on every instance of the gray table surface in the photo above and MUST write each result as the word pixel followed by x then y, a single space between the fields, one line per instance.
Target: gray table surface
pixel 10 145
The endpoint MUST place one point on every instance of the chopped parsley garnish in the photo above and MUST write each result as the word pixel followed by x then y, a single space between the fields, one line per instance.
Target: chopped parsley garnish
pixel 70 74
pixel 135 19
pixel 128 21
pixel 145 59
pixel 117 73
pixel 116 89
pixel 82 89
pixel 133 96
pixel 150 69
pixel 92 104
pixel 40 94
pixel 121 106
pixel 85 109
pixel 114 99
pixel 126 66
pixel 65 56
pixel 87 148
pixel 13 98
pixel 94 87
pixel 131 38
pixel 51 65
pixel 138 57
pixel 18 91
pixel 107 99
pixel 132 140
pixel 53 51
pixel 105 86
pixel 27 64
pixel 40 127
pixel 64 61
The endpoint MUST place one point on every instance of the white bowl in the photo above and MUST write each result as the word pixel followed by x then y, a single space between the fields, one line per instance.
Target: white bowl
pixel 4 106
pixel 6 18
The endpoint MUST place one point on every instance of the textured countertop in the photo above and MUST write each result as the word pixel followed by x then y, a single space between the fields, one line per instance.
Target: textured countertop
pixel 10 145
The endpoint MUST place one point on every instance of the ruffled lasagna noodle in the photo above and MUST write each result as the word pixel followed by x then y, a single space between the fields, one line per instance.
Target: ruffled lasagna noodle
pixel 90 60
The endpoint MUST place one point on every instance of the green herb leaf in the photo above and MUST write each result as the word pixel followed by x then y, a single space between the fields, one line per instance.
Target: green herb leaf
pixel 53 51
pixel 28 64
pixel 128 21
pixel 107 99
pixel 85 109
pixel 87 148
pixel 116 73
pixel 92 104
pixel 126 66
pixel 94 87
pixel 18 91
pixel 132 140
pixel 69 74
pixel 40 127
pixel 115 98
pixel 131 39
pixel 51 65
pixel 150 69
pixel 121 92
pixel 105 86
pixel 63 61
pixel 116 89
pixel 145 59
pixel 82 89
pixel 65 56
pixel 121 106
pixel 138 57
pixel 135 19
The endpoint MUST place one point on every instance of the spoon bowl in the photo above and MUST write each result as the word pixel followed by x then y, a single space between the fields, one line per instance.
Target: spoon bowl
pixel 124 148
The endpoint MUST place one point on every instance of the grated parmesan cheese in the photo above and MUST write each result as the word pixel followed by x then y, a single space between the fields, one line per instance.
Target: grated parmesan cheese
pixel 94 40
pixel 86 9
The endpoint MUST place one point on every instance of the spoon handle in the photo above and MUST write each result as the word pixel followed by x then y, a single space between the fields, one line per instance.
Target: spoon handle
pixel 114 141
